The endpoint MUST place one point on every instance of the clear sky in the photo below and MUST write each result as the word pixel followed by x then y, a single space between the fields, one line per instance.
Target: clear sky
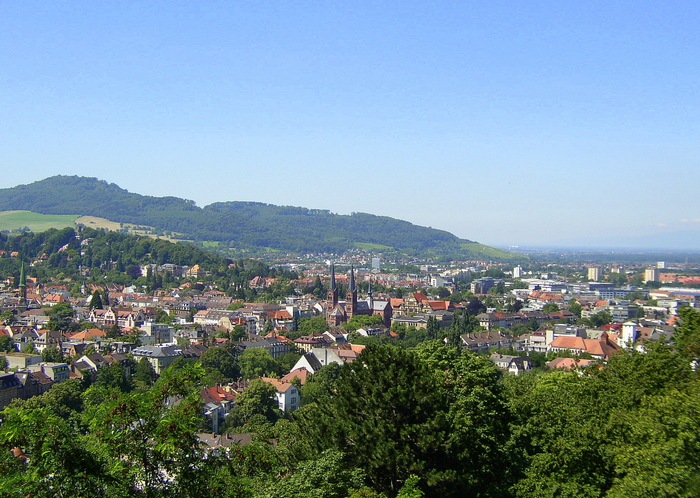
pixel 514 122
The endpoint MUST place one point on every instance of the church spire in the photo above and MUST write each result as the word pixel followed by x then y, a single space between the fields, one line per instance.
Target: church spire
pixel 333 286
pixel 332 300
pixel 351 296
pixel 22 277
pixel 352 279
pixel 22 287
pixel 370 299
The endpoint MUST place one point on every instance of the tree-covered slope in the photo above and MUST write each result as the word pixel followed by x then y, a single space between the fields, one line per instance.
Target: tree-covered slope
pixel 245 224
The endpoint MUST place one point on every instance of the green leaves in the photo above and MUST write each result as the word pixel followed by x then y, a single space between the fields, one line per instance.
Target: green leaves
pixel 434 413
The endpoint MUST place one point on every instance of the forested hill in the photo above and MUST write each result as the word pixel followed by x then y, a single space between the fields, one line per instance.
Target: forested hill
pixel 243 224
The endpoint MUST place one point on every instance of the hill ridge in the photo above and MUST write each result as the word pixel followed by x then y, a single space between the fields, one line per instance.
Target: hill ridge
pixel 245 224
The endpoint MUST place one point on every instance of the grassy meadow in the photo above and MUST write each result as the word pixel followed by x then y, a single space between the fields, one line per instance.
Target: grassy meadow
pixel 17 220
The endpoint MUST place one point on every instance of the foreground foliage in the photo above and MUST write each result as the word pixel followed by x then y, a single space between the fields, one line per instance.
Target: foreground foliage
pixel 429 421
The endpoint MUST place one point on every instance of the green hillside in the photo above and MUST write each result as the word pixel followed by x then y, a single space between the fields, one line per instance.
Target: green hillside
pixel 244 225
pixel 13 221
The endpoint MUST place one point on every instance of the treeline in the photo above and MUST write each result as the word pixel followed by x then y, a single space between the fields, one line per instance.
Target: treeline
pixel 103 256
pixel 434 420
pixel 238 224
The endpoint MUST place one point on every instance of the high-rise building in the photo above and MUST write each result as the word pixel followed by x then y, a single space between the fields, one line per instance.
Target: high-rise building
pixel 651 275
pixel 517 272
pixel 594 274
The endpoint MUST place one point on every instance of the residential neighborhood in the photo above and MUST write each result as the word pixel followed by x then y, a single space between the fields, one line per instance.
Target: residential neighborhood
pixel 264 360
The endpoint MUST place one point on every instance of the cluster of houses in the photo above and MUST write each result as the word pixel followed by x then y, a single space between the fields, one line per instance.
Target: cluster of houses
pixel 197 317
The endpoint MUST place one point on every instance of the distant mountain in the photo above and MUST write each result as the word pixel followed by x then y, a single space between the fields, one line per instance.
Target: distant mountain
pixel 240 224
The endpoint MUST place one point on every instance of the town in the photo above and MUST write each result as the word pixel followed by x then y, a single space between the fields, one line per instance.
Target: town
pixel 125 329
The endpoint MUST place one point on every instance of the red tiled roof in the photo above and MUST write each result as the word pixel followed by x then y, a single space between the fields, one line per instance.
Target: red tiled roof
pixel 300 373
pixel 568 363
pixel 569 342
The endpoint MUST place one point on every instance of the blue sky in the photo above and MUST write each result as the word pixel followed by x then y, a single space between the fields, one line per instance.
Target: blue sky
pixel 510 123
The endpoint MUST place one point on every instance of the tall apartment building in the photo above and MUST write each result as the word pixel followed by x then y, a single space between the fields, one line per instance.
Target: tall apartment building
pixel 651 275
pixel 594 274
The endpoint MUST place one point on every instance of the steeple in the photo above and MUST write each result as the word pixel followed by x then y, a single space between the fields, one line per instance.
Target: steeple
pixel 333 286
pixel 351 297
pixel 22 287
pixel 332 300
pixel 370 299
pixel 22 277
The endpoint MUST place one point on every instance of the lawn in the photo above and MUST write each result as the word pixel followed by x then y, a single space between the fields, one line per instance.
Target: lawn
pixel 17 220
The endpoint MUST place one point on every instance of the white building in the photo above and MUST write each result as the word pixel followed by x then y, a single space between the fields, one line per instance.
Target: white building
pixel 287 394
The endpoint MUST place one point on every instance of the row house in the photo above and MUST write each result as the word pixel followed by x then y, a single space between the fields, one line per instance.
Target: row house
pixel 417 321
pixel 10 388
pixel 160 357
pixel 483 341
pixel 413 303
pixel 49 339
pixel 34 383
pixel 307 343
pixel 123 318
pixel 282 318
pixel 496 319
pixel 601 348
pixel 275 346
pixel 57 372
pixel 511 364
pixel 213 317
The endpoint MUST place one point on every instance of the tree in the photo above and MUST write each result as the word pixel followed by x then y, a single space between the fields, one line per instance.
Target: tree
pixel 60 317
pixel 558 437
pixel 575 307
pixel 7 317
pixel 324 477
pixel 6 344
pixel 287 361
pixel 114 376
pixel 433 328
pixel 395 413
pixel 687 335
pixel 51 461
pixel 52 355
pixel 96 301
pixel 114 332
pixel 475 306
pixel 660 453
pixel 144 372
pixel 257 399
pixel 384 414
pixel 550 308
pixel 362 321
pixel 313 326
pixel 257 362
pixel 149 442
pixel 238 333
pixel 163 317
pixel 29 348
pixel 221 360
pixel 598 319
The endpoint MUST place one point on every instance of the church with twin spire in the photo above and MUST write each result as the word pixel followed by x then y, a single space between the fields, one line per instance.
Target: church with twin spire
pixel 339 312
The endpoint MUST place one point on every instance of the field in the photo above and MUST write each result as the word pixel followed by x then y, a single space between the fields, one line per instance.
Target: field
pixel 17 220
pixel 95 222
pixel 480 250
pixel 368 246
